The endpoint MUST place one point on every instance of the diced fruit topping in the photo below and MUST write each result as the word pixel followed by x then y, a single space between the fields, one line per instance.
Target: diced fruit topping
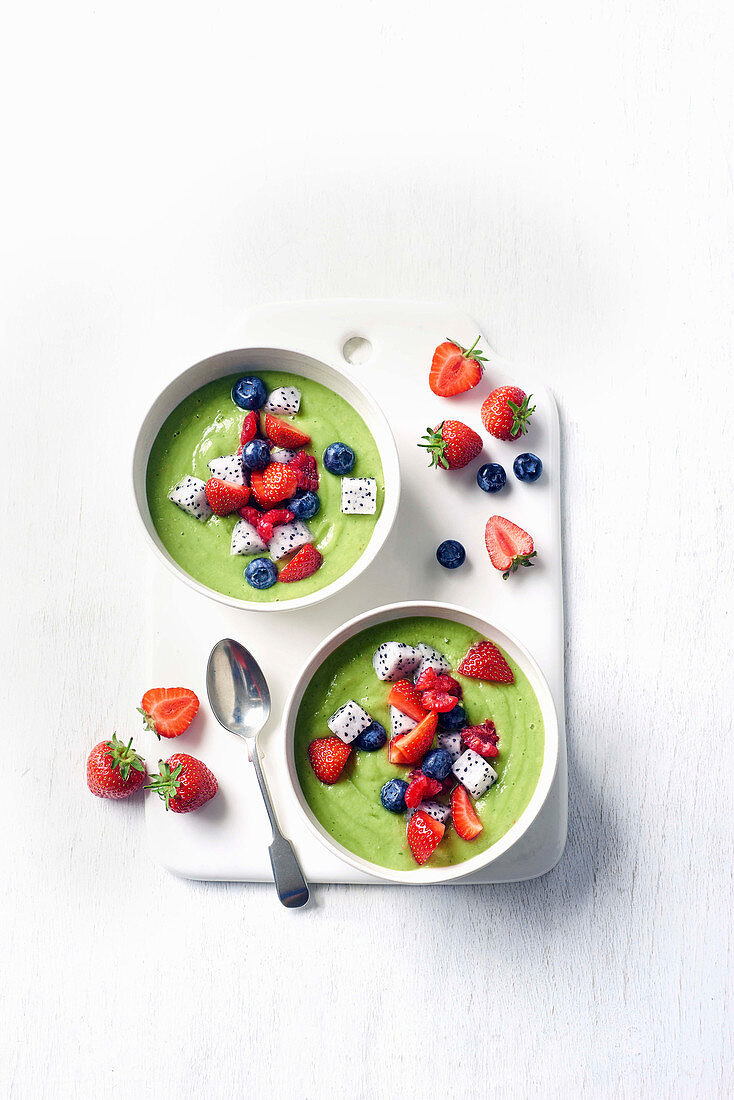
pixel 282 454
pixel 307 472
pixel 450 554
pixel 392 795
pixel 506 412
pixel 284 434
pixel 438 701
pixel 305 506
pixel 250 514
pixel 271 519
pixel 348 721
pixel 338 458
pixel 245 539
pixel 424 835
pixel 250 428
pixel 451 445
pixel 286 399
pixel 430 680
pixel 451 742
pixel 261 573
pixel 228 468
pixel 190 496
pixel 527 467
pixel 115 770
pixel 421 786
pixel 463 815
pixel 394 754
pixel 482 739
pixel 287 538
pixel 491 477
pixel 359 496
pixel 256 454
pixel 431 658
pixel 184 783
pixel 225 498
pixel 400 723
pixel 391 660
pixel 273 484
pixel 406 698
pixel 476 773
pixel 414 745
pixel 249 392
pixel 455 369
pixel 168 711
pixel 437 765
pixel 371 739
pixel 328 755
pixel 508 545
pixel 484 661
pixel 304 564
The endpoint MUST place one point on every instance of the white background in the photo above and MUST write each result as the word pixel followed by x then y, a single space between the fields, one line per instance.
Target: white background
pixel 563 172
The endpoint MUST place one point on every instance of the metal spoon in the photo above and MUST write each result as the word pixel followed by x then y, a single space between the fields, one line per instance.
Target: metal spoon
pixel 240 699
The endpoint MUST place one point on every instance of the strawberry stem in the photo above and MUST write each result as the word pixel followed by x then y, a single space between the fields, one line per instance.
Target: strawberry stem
pixel 436 446
pixel 520 560
pixel 124 757
pixel 520 415
pixel 470 353
pixel 166 782
pixel 148 722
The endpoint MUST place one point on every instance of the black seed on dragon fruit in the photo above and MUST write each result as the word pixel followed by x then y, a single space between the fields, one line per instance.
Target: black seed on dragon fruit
pixel 395 660
pixel 190 496
pixel 474 773
pixel 359 496
pixel 349 721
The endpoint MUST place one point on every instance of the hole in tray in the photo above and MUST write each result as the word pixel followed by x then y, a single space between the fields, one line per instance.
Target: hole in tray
pixel 357 350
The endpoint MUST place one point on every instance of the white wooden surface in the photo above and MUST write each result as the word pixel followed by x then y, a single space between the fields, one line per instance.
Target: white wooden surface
pixel 564 173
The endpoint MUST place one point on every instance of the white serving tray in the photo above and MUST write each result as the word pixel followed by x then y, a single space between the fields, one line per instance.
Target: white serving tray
pixel 229 837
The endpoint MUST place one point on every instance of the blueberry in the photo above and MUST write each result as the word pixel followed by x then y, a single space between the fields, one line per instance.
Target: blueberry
pixel 305 506
pixel 450 554
pixel 491 477
pixel 527 467
pixel 256 454
pixel 392 795
pixel 371 739
pixel 338 458
pixel 261 573
pixel 453 719
pixel 249 392
pixel 436 764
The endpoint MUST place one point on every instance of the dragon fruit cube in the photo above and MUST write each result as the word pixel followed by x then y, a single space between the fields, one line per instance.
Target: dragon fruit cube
pixel 229 468
pixel 395 660
pixel 349 721
pixel 474 772
pixel 359 496
pixel 190 496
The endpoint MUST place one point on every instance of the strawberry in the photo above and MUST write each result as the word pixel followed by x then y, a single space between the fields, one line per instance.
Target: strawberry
pixel 414 745
pixel 506 412
pixel 455 369
pixel 483 661
pixel 304 564
pixel 394 754
pixel 168 711
pixel 421 787
pixel 307 472
pixel 430 680
pixel 275 483
pixel 424 836
pixel 250 514
pixel 508 545
pixel 404 696
pixel 224 497
pixel 463 815
pixel 184 783
pixel 250 428
pixel 114 770
pixel 440 702
pixel 482 739
pixel 268 520
pixel 451 445
pixel 328 755
pixel 283 434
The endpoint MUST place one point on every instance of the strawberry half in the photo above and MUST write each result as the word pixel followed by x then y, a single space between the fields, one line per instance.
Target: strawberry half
pixel 452 445
pixel 455 369
pixel 303 565
pixel 250 428
pixel 407 699
pixel 284 434
pixel 275 483
pixel 506 412
pixel 168 712
pixel 328 755
pixel 224 497
pixel 508 545
pixel 463 815
pixel 484 661
pixel 424 836
pixel 414 745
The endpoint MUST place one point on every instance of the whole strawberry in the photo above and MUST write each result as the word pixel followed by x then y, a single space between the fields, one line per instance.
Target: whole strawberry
pixel 506 412
pixel 452 444
pixel 184 783
pixel 114 770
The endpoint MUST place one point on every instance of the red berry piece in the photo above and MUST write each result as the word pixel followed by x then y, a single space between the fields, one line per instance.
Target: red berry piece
pixel 184 783
pixel 455 369
pixel 328 755
pixel 250 514
pixel 483 739
pixel 484 661
pixel 420 787
pixel 168 712
pixel 508 545
pixel 452 445
pixel 224 497
pixel 274 518
pixel 283 434
pixel 506 412
pixel 307 472
pixel 304 564
pixel 115 770
pixel 250 428
pixel 463 815
pixel 424 836
pixel 438 701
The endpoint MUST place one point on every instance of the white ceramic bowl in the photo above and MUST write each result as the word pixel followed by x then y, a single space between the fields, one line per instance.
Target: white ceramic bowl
pixel 427 875
pixel 250 360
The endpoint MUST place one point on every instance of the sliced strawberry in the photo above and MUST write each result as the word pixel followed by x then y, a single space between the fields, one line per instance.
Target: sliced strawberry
pixel 508 545
pixel 455 369
pixel 484 661
pixel 224 497
pixel 168 711
pixel 424 836
pixel 404 696
pixel 328 755
pixel 303 565
pixel 268 520
pixel 463 815
pixel 420 787
pixel 250 428
pixel 415 744
pixel 307 471
pixel 482 739
pixel 283 434
pixel 394 754
pixel 275 483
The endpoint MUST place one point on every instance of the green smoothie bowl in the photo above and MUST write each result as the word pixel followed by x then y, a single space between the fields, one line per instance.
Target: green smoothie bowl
pixel 421 741
pixel 266 479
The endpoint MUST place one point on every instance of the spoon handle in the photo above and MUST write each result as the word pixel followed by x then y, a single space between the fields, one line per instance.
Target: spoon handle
pixel 289 881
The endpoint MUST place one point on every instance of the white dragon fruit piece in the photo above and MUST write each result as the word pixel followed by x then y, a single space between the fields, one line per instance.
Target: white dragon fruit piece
pixel 474 772
pixel 394 660
pixel 190 496
pixel 359 496
pixel 229 468
pixel 435 810
pixel 451 742
pixel 349 721
pixel 282 455
pixel 286 399
pixel 288 537
pixel 401 723
pixel 430 658
pixel 245 539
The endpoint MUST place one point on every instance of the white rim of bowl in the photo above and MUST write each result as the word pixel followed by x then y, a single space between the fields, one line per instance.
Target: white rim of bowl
pixel 518 652
pixel 207 370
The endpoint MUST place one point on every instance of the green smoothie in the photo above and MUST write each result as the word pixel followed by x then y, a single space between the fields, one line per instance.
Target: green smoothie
pixel 206 425
pixel 351 810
